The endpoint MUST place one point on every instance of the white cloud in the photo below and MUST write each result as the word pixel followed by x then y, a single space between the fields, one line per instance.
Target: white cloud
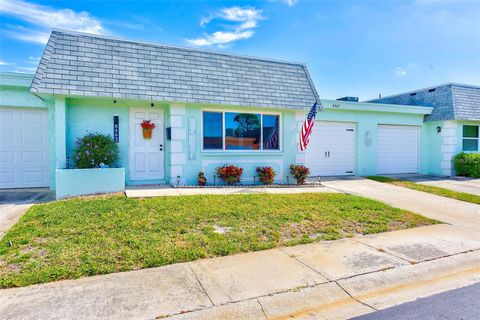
pixel 4 63
pixel 34 58
pixel 245 19
pixel 291 3
pixel 400 71
pixel 43 18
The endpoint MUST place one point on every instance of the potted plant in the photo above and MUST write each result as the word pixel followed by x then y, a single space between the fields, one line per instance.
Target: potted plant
pixel 230 174
pixel 202 181
pixel 147 126
pixel 95 150
pixel 266 174
pixel 299 172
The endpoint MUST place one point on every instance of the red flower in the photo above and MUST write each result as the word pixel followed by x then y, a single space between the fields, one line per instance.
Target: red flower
pixel 147 124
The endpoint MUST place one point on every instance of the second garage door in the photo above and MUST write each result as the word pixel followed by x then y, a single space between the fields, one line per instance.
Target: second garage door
pixel 331 151
pixel 23 148
pixel 397 149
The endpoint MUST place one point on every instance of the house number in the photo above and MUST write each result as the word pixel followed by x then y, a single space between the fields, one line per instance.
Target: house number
pixel 116 129
pixel 336 105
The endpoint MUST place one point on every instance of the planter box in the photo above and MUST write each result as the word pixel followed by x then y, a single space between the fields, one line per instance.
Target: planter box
pixel 78 182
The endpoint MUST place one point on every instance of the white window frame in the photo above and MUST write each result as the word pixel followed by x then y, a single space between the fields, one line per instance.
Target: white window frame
pixel 261 150
pixel 470 138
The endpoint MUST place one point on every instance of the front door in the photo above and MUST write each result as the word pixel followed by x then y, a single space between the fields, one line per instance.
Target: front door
pixel 146 155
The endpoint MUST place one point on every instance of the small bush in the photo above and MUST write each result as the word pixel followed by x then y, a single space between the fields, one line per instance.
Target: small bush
pixel 95 150
pixel 266 174
pixel 467 164
pixel 230 174
pixel 202 181
pixel 299 172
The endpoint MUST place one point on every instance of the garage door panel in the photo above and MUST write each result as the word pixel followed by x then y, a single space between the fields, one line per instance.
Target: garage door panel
pixel 397 149
pixel 24 157
pixel 332 149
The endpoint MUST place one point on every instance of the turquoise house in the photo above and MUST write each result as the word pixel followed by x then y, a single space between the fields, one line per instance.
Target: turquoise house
pixel 455 118
pixel 210 109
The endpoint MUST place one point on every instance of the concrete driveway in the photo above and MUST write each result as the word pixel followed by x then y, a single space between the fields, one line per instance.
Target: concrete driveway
pixel 15 202
pixel 455 212
pixel 459 184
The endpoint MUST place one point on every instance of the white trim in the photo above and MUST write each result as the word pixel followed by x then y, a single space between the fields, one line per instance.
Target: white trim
pixel 261 150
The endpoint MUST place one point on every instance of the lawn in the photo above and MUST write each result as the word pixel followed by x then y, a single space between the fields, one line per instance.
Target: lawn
pixel 430 189
pixel 88 236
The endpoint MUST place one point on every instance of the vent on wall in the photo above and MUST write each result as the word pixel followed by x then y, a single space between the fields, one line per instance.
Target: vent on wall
pixel 413 94
pixel 432 90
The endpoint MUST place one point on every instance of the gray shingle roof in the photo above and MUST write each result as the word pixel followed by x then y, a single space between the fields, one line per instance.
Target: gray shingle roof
pixel 451 101
pixel 90 65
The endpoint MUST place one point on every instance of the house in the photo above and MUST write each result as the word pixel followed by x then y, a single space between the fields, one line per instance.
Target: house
pixel 89 83
pixel 455 118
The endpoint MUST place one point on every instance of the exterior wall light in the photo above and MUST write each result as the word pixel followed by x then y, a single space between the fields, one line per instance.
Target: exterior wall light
pixel 439 129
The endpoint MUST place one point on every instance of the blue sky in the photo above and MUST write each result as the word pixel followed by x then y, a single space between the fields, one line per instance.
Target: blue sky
pixel 358 48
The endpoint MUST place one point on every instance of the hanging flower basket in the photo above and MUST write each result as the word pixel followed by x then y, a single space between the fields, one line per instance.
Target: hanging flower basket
pixel 147 127
pixel 147 133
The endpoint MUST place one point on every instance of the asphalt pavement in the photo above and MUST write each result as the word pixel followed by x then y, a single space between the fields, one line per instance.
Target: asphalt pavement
pixel 458 304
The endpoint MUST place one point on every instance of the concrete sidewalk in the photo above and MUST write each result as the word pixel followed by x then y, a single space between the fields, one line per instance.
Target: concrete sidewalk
pixel 447 210
pixel 336 279
pixel 459 184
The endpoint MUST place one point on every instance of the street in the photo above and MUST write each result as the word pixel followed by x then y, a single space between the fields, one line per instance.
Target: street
pixel 463 303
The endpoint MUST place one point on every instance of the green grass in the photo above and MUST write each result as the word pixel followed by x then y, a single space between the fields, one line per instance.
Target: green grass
pixel 429 189
pixel 88 236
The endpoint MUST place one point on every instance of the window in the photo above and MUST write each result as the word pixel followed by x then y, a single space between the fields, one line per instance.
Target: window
pixel 212 130
pixel 470 138
pixel 240 131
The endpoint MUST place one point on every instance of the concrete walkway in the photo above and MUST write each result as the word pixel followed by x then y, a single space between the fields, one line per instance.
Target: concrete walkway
pixel 448 210
pixel 333 280
pixel 459 184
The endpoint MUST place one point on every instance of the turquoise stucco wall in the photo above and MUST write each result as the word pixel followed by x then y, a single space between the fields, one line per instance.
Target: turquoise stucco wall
pixel 76 182
pixel 208 160
pixel 366 156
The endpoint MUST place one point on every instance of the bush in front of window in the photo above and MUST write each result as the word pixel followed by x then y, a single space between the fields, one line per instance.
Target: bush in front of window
pixel 266 174
pixel 95 150
pixel 467 164
pixel 230 174
pixel 299 172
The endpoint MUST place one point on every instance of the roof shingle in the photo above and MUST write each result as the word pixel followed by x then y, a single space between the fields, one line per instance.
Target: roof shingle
pixel 89 65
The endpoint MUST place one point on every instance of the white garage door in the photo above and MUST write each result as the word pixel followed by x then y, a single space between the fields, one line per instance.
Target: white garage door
pixel 331 151
pixel 23 148
pixel 397 149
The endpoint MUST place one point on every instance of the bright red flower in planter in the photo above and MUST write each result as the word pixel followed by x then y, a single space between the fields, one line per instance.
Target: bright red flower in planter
pixel 266 174
pixel 147 124
pixel 230 174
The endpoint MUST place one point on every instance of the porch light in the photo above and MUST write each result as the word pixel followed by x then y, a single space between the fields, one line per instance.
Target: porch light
pixel 178 178
pixel 439 129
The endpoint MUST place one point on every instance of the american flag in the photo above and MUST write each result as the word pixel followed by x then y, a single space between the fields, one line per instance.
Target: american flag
pixel 307 127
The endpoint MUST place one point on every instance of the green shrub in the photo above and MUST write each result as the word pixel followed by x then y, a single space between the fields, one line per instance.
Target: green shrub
pixel 300 173
pixel 467 164
pixel 95 150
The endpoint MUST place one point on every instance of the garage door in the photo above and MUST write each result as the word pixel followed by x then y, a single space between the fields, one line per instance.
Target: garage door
pixel 397 149
pixel 331 151
pixel 23 148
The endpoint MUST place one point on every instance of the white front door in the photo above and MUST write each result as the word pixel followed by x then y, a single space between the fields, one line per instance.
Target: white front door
pixel 331 151
pixel 397 149
pixel 146 155
pixel 24 156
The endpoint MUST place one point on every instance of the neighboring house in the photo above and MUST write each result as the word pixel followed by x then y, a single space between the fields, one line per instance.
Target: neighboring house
pixel 198 99
pixel 453 125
